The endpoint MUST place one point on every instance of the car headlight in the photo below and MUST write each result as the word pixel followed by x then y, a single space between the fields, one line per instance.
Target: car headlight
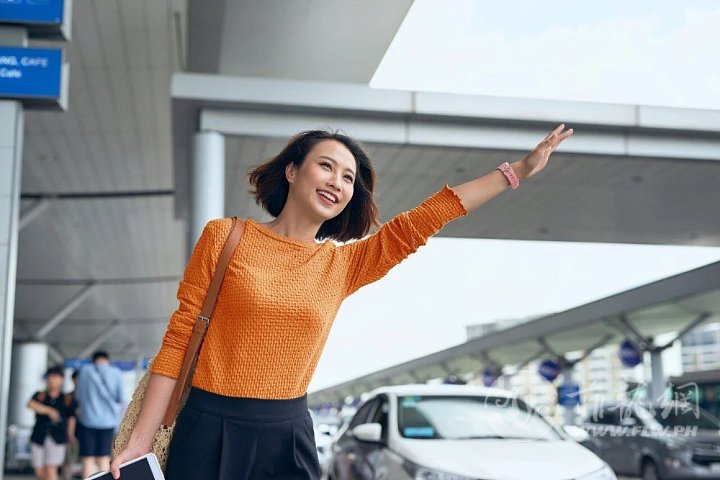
pixel 423 473
pixel 604 473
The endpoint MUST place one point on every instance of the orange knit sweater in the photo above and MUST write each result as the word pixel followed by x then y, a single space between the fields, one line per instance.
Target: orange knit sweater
pixel 279 299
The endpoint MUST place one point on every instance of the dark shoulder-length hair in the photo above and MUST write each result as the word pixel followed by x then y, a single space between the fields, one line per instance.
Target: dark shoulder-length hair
pixel 270 186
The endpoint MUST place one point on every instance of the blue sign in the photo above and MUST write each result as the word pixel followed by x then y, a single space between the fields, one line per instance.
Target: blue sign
pixel 490 376
pixel 124 365
pixel 630 354
pixel 30 73
pixel 33 12
pixel 549 370
pixel 75 363
pixel 569 394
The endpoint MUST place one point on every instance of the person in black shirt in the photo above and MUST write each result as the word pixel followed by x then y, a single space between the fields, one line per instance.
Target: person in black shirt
pixel 54 424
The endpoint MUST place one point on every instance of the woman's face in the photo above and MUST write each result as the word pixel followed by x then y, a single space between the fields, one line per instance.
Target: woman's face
pixel 325 181
pixel 54 381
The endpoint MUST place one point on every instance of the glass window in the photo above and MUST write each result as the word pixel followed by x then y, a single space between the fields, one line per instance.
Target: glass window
pixel 605 416
pixel 362 414
pixel 686 416
pixel 380 415
pixel 467 417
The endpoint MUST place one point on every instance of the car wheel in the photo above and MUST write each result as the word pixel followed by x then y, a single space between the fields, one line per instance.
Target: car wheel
pixel 650 471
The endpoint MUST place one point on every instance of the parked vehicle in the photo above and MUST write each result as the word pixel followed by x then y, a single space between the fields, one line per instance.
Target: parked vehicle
pixel 656 441
pixel 456 432
pixel 325 428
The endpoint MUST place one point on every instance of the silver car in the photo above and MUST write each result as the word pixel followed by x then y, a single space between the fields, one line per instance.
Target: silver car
pixel 456 432
pixel 657 441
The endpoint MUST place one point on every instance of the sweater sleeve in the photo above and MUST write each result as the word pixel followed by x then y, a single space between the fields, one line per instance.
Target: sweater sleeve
pixel 371 258
pixel 191 294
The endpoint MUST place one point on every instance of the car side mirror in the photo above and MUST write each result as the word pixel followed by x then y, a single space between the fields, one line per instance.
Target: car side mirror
pixel 578 434
pixel 368 432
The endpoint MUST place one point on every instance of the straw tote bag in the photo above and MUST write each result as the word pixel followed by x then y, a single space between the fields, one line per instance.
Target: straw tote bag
pixel 161 443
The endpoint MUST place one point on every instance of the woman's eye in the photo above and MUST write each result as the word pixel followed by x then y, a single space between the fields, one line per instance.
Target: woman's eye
pixel 348 178
pixel 325 164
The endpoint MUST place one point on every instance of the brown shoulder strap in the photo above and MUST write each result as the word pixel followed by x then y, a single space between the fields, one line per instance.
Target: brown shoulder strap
pixel 184 380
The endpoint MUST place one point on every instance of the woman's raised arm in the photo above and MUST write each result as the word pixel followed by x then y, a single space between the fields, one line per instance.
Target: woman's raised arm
pixel 476 192
pixel 371 258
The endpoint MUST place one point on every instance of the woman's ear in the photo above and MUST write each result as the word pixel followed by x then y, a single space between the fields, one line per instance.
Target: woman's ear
pixel 290 172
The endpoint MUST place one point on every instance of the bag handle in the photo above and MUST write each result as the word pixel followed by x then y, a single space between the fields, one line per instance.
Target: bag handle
pixel 202 321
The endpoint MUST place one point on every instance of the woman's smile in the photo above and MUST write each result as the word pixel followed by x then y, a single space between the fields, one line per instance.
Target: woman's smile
pixel 328 197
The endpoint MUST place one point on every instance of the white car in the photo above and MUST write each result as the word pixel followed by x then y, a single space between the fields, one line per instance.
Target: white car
pixel 456 432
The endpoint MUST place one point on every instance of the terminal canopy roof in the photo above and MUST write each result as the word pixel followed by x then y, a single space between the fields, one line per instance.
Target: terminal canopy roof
pixel 674 304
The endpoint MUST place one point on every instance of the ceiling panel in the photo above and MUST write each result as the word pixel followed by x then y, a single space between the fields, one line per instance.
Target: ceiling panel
pixel 115 137
pixel 577 198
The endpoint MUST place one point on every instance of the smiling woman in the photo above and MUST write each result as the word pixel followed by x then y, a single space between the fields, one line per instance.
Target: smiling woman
pixel 331 169
pixel 246 415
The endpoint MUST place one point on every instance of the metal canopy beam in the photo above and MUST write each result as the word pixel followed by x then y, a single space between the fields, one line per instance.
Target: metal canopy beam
pixel 66 310
pixel 700 319
pixel 267 107
pixel 34 212
pixel 429 130
pixel 55 354
pixel 104 335
pixel 248 93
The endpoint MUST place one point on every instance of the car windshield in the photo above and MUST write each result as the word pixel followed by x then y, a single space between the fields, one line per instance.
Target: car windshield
pixel 686 416
pixel 470 417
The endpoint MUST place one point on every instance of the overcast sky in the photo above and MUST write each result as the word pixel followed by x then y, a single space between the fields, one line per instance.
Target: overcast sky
pixel 652 52
pixel 424 304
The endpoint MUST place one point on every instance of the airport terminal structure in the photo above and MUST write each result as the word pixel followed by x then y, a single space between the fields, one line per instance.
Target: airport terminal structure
pixel 155 110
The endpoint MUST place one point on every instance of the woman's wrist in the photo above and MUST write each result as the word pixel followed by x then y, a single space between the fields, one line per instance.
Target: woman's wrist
pixel 520 170
pixel 140 440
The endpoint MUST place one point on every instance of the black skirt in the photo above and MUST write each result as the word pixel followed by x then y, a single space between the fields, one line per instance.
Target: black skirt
pixel 229 438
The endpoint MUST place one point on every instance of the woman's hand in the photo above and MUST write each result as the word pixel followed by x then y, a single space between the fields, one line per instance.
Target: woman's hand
pixel 54 415
pixel 157 397
pixel 131 452
pixel 536 160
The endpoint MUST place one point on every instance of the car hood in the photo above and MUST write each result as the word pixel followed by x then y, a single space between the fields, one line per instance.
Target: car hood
pixel 712 436
pixel 508 459
pixel 698 436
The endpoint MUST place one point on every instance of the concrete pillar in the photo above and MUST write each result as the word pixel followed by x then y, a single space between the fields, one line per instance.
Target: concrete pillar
pixel 29 365
pixel 207 182
pixel 569 413
pixel 656 389
pixel 11 140
pixel 11 143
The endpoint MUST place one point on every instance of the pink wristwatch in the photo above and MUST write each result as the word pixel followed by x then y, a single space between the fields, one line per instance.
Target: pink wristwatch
pixel 509 173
